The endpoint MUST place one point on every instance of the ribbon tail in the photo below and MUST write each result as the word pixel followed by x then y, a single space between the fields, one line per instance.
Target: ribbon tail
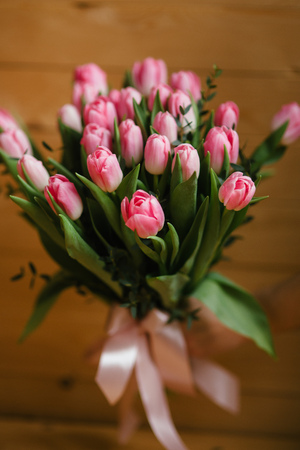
pixel 129 420
pixel 154 399
pixel 218 384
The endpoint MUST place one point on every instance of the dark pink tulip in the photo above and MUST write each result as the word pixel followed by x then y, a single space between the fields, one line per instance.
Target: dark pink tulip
pixel 237 191
pixel 65 195
pixel 143 214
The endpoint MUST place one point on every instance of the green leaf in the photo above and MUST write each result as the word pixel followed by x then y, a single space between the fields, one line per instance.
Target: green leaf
pixel 169 287
pixel 117 140
pixel 236 308
pixel 157 107
pixel 110 209
pixel 30 191
pixel 191 244
pixel 71 143
pixel 226 165
pixel 140 119
pixel 269 150
pixel 160 248
pixel 183 205
pixel 175 242
pixel 11 164
pixel 128 82
pixel 46 299
pixel 40 219
pixel 128 185
pixel 211 233
pixel 209 123
pixel 176 177
pixel 258 199
pixel 78 249
pixel 147 250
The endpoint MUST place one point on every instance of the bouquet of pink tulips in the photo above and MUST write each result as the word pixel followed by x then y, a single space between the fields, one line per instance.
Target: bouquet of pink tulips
pixel 149 190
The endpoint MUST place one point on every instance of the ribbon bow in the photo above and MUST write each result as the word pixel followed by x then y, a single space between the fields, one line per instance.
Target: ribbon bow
pixel 157 352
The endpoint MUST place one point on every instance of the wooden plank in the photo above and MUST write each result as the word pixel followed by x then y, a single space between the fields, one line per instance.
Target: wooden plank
pixel 34 31
pixel 46 435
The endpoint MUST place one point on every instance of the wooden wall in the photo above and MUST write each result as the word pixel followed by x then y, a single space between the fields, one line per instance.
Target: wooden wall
pixel 256 43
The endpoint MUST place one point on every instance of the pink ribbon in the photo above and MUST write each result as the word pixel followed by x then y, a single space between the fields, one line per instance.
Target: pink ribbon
pixel 156 352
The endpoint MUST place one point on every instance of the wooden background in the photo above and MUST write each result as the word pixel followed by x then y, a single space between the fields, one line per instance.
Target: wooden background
pixel 48 399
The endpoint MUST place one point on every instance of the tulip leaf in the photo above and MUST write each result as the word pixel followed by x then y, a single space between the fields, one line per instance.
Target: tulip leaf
pixel 191 244
pixel 226 165
pixel 83 159
pixel 117 141
pixel 204 178
pixel 71 143
pixel 78 249
pixel 175 242
pixel 46 299
pixel 29 190
pixel 269 151
pixel 157 107
pixel 160 248
pixel 98 220
pixel 11 164
pixel 128 185
pixel 236 309
pixel 211 233
pixel 169 287
pixel 40 219
pixel 258 199
pixel 110 209
pixel 128 82
pixel 209 123
pixel 147 250
pixel 140 118
pixel 165 178
pixel 183 205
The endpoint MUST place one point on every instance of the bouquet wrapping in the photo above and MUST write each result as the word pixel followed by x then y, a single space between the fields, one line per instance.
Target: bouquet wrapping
pixel 149 190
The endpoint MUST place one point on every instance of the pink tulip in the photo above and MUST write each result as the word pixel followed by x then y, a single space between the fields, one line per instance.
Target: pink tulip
pixel 187 82
pixel 227 115
pixel 165 124
pixel 149 73
pixel 143 214
pixel 131 138
pixel 216 139
pixel 102 112
pixel 6 120
pixel 35 171
pixel 237 191
pixel 164 93
pixel 125 107
pixel 92 74
pixel 104 169
pixel 84 94
pixel 180 99
pixel 189 158
pixel 95 136
pixel 70 117
pixel 114 96
pixel 65 195
pixel 156 154
pixel 15 143
pixel 291 113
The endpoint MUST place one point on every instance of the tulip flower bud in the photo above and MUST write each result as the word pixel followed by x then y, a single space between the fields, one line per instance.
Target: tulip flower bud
pixel 216 139
pixel 125 106
pixel 104 169
pixel 187 82
pixel 35 171
pixel 237 191
pixel 70 117
pixel 92 74
pixel 95 136
pixel 143 214
pixel 156 154
pixel 102 112
pixel 114 96
pixel 65 195
pixel 189 158
pixel 6 120
pixel 227 115
pixel 132 145
pixel 291 113
pixel 164 93
pixel 149 73
pixel 15 143
pixel 83 94
pixel 180 99
pixel 165 124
